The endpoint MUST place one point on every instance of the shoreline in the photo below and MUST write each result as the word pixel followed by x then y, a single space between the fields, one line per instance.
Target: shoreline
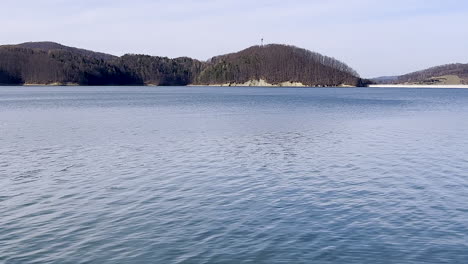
pixel 282 85
pixel 420 86
pixel 250 83
pixel 264 83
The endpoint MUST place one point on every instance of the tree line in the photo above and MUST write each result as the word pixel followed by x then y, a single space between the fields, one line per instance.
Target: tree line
pixel 47 63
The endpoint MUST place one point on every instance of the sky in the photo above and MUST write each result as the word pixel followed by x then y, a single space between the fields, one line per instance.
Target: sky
pixel 375 37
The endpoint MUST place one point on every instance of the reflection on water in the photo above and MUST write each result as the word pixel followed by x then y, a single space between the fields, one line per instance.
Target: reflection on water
pixel 233 175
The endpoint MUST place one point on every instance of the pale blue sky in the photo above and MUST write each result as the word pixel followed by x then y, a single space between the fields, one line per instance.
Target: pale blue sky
pixel 374 37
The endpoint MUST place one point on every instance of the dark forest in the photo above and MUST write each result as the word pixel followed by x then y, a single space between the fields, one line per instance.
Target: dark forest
pixel 51 63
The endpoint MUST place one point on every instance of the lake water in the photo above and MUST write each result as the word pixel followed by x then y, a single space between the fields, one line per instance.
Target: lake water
pixel 233 175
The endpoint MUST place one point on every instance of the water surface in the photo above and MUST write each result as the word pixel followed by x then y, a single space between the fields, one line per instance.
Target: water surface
pixel 233 175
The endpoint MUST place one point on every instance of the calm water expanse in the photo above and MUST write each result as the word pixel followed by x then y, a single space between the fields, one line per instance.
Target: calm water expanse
pixel 233 175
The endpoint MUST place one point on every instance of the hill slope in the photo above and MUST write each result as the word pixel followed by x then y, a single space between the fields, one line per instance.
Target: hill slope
pixel 450 74
pixel 52 63
pixel 48 46
pixel 445 74
pixel 276 64
pixel 35 66
pixel 151 70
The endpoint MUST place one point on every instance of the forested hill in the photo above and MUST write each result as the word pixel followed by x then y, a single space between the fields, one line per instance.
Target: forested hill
pixel 35 66
pixel 450 74
pixel 48 46
pixel 51 63
pixel 278 64
pixel 20 65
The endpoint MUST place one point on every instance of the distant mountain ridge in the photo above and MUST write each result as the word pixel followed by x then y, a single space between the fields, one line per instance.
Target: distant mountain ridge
pixel 449 74
pixel 385 79
pixel 49 63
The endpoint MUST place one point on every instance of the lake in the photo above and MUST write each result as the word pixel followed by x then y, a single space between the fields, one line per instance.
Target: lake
pixel 233 175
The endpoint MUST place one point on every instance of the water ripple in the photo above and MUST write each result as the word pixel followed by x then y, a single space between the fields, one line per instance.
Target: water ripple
pixel 205 175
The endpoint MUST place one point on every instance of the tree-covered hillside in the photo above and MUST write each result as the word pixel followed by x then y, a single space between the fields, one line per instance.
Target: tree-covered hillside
pixel 48 46
pixel 277 64
pixel 438 74
pixel 52 63
pixel 152 70
pixel 449 74
pixel 34 66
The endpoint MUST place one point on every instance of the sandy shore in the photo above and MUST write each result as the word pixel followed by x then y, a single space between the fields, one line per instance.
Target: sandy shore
pixel 257 83
pixel 51 84
pixel 263 83
pixel 419 86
